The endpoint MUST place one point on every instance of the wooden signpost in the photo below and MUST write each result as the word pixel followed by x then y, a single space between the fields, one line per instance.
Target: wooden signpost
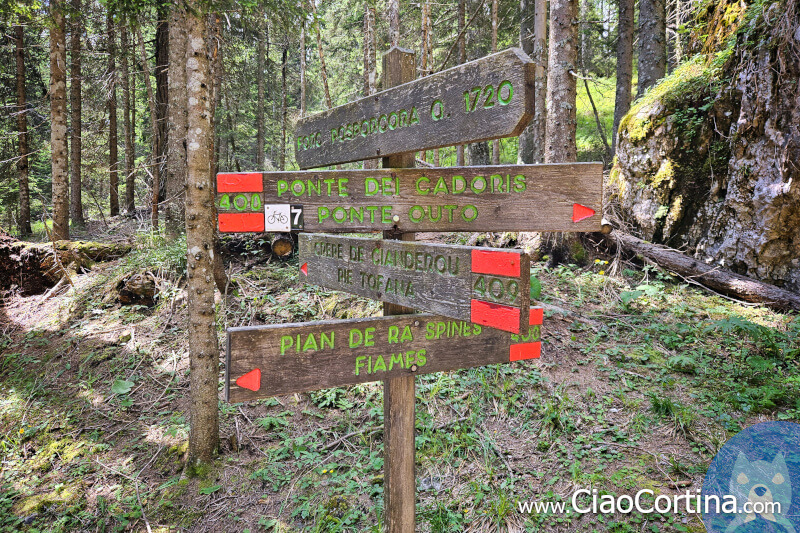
pixel 557 197
pixel 482 291
pixel 485 286
pixel 488 98
pixel 264 361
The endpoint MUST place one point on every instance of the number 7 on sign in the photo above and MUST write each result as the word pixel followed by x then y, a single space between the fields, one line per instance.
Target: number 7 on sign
pixel 283 217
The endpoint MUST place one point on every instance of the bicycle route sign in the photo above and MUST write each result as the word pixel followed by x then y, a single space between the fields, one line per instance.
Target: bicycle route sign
pixel 488 98
pixel 265 361
pixel 481 285
pixel 553 197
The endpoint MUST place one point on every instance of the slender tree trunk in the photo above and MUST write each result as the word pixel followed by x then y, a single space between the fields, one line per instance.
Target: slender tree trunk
pixel 200 228
pixel 322 67
pixel 113 156
pixel 622 102
pixel 58 119
pixel 533 39
pixel 176 118
pixel 284 112
pixel 496 142
pixel 462 58
pixel 76 204
pixel 127 126
pixel 652 65
pixel 303 69
pixel 155 164
pixel 161 75
pixel 393 14
pixel 370 62
pixel 22 131
pixel 561 86
pixel 261 60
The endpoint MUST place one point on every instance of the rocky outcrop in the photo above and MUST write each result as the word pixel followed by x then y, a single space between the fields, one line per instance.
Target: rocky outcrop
pixel 709 160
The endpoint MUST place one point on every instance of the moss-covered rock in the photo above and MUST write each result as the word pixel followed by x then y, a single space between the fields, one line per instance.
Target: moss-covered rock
pixel 706 159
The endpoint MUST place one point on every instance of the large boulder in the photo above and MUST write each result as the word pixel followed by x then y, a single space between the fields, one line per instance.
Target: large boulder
pixel 708 161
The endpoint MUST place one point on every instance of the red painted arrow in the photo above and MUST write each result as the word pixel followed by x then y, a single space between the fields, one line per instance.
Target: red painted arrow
pixel 251 380
pixel 581 212
pixel 304 269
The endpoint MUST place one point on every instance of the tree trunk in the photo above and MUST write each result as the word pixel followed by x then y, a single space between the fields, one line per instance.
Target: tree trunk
pixel 113 156
pixel 322 67
pixel 127 126
pixel 76 204
pixel 496 142
pixel 622 102
pixel 22 132
pixel 200 228
pixel 462 58
pixel 652 65
pixel 561 88
pixel 161 74
pixel 479 154
pixel 261 60
pixel 58 120
pixel 176 113
pixel 155 164
pixel 303 69
pixel 284 110
pixel 370 62
pixel 393 14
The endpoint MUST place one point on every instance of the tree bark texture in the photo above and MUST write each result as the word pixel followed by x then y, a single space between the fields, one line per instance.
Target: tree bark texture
pixel 113 155
pixel 561 83
pixel 260 81
pixel 24 221
pixel 161 75
pixel 496 142
pixel 176 118
pixel 622 102
pixel 323 68
pixel 462 58
pixel 200 229
pixel 76 31
pixel 284 109
pixel 58 120
pixel 652 64
pixel 155 163
pixel 393 14
pixel 127 126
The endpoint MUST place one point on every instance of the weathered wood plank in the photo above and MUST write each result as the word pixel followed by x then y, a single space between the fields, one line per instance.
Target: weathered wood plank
pixel 482 285
pixel 286 358
pixel 553 197
pixel 488 98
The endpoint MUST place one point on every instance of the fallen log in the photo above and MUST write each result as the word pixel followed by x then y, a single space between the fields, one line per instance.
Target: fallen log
pixel 283 244
pixel 711 276
pixel 36 267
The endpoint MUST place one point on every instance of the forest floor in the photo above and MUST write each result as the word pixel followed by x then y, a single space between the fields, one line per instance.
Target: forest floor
pixel 642 378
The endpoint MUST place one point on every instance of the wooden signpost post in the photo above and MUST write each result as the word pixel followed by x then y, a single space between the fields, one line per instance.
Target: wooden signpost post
pixel 264 361
pixel 480 298
pixel 558 197
pixel 488 98
pixel 488 287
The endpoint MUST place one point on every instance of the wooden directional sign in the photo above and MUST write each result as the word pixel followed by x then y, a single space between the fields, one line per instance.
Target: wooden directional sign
pixel 558 197
pixel 481 285
pixel 484 99
pixel 266 361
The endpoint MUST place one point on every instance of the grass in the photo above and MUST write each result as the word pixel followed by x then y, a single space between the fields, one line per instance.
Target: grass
pixel 642 379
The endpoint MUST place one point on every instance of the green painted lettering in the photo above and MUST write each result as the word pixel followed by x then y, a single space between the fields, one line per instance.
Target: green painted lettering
pixel 286 343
